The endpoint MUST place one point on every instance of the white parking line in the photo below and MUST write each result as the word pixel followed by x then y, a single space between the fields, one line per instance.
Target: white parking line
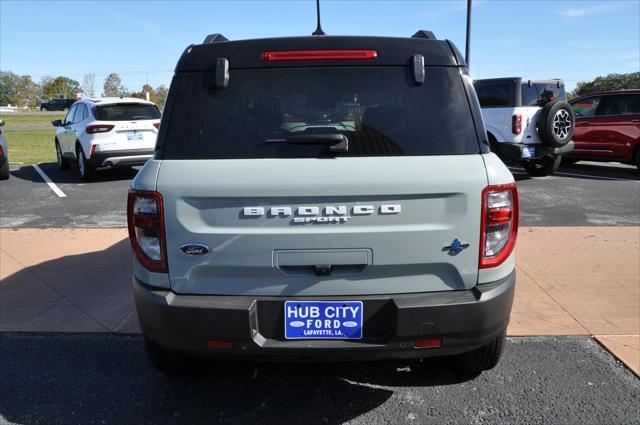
pixel 48 181
pixel 563 173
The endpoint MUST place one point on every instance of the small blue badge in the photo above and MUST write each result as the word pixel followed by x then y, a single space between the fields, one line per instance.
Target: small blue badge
pixel 456 247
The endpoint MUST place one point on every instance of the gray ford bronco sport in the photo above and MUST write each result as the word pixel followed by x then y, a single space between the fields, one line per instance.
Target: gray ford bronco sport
pixel 323 198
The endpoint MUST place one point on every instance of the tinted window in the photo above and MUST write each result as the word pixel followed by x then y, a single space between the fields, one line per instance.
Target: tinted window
pixel 586 107
pixel 379 110
pixel 540 94
pixel 621 105
pixel 127 112
pixel 81 113
pixel 495 94
pixel 70 115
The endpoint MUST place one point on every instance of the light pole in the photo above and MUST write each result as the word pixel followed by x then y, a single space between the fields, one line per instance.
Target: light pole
pixel 467 50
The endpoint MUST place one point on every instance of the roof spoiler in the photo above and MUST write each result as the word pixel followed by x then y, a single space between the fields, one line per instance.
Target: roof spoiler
pixel 428 35
pixel 214 38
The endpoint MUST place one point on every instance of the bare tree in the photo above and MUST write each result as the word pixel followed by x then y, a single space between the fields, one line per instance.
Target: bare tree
pixel 89 85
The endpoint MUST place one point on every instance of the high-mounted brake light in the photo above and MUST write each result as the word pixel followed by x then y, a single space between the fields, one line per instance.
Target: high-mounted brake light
pixel 319 55
pixel 99 128
pixel 145 218
pixel 516 124
pixel 499 224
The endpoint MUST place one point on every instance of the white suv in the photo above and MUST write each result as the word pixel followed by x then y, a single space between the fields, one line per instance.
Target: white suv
pixel 527 121
pixel 107 132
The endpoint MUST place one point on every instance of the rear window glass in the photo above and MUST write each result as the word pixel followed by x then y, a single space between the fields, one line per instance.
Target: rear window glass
pixel 495 94
pixel 540 94
pixel 127 112
pixel 379 110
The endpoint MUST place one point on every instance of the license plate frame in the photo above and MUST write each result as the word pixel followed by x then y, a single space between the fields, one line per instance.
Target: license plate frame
pixel 134 136
pixel 347 326
pixel 528 152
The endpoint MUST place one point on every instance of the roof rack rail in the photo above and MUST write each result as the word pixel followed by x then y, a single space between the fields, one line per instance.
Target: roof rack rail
pixel 429 35
pixel 214 38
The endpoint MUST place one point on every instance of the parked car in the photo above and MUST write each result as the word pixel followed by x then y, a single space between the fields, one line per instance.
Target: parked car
pixel 528 121
pixel 107 132
pixel 4 157
pixel 323 198
pixel 57 105
pixel 607 127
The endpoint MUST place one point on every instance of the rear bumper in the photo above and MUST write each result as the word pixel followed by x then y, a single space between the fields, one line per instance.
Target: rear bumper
pixel 464 320
pixel 121 158
pixel 514 152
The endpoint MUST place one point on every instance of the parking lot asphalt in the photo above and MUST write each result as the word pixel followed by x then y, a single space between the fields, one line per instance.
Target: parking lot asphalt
pixel 585 194
pixel 101 379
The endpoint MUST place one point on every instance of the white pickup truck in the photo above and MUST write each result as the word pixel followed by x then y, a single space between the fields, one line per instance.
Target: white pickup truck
pixel 527 121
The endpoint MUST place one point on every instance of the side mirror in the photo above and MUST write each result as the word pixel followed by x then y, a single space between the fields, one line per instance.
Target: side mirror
pixel 1 123
pixel 57 123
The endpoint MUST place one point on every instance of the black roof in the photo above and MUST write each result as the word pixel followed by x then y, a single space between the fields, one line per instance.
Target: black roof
pixel 247 53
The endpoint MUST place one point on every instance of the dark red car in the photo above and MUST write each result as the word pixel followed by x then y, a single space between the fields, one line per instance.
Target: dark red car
pixel 607 127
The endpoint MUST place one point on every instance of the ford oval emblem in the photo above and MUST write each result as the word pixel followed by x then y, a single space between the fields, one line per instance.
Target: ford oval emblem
pixel 350 324
pixel 195 249
pixel 297 324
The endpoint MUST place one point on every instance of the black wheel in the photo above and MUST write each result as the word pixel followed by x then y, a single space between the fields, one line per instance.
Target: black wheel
pixel 542 167
pixel 4 170
pixel 481 359
pixel 556 124
pixel 169 361
pixel 87 171
pixel 63 163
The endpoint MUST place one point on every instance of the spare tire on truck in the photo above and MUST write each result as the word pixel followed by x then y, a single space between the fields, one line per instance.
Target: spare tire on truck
pixel 556 124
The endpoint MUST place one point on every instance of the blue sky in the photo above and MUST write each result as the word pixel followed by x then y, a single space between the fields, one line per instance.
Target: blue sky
pixel 140 40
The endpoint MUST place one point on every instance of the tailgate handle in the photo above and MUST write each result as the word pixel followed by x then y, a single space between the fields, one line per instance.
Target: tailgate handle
pixel 322 262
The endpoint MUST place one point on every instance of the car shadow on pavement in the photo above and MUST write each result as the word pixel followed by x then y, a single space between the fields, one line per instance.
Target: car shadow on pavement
pixel 58 176
pixel 107 379
pixel 598 170
pixel 60 364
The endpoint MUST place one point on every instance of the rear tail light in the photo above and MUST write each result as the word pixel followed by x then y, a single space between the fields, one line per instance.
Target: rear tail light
pixel 156 124
pixel 499 224
pixel 93 149
pixel 145 218
pixel 318 55
pixel 1 150
pixel 99 128
pixel 516 124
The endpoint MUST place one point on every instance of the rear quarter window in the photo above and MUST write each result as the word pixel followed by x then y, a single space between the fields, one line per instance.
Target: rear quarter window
pixel 495 95
pixel 379 110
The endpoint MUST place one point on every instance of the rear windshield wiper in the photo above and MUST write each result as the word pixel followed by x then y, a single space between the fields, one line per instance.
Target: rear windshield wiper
pixel 338 142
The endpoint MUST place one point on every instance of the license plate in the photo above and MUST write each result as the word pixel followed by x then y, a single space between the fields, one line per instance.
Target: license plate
pixel 323 319
pixel 528 152
pixel 133 135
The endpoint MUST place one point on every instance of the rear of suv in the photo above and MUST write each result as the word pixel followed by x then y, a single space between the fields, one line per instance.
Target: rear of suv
pixel 528 122
pixel 323 198
pixel 106 132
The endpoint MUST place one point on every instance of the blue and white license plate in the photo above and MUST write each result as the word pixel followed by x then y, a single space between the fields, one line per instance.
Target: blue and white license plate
pixel 528 152
pixel 323 319
pixel 134 135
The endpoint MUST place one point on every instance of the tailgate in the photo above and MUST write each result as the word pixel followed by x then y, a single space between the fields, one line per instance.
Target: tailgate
pixel 339 226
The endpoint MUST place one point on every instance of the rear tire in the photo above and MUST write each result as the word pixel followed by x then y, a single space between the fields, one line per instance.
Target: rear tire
pixel 169 361
pixel 4 170
pixel 542 167
pixel 481 359
pixel 63 163
pixel 87 171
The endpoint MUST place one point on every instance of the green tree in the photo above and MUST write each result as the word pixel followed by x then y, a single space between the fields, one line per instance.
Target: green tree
pixel 8 88
pixel 113 86
pixel 609 82
pixel 161 96
pixel 59 87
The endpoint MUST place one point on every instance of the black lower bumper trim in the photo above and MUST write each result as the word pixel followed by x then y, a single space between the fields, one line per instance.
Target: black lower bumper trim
pixel 392 323
pixel 121 157
pixel 513 152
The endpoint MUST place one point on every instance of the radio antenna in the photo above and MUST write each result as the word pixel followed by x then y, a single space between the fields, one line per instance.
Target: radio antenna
pixel 318 30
